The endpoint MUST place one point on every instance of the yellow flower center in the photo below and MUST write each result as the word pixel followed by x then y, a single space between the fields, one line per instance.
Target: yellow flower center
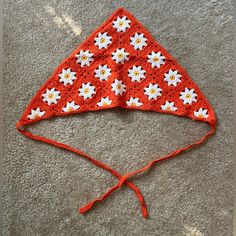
pixel 104 104
pixel 136 73
pixel 188 96
pixel 201 116
pixel 51 95
pixel 168 109
pixel 103 72
pixel 120 55
pixel 70 109
pixel 133 104
pixel 152 91
pixel 67 76
pixel 102 40
pixel 172 77
pixel 36 116
pixel 155 59
pixel 121 23
pixel 118 86
pixel 138 41
pixel 84 58
pixel 86 90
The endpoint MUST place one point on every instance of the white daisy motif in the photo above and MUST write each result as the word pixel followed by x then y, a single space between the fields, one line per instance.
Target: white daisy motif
pixel 201 113
pixel 152 91
pixel 118 87
pixel 156 59
pixel 70 106
pixel 188 96
pixel 134 102
pixel 169 106
pixel 172 77
pixel 104 102
pixel 120 56
pixel 51 96
pixel 103 40
pixel 86 91
pixel 36 114
pixel 84 58
pixel 136 73
pixel 138 41
pixel 121 24
pixel 67 76
pixel 102 72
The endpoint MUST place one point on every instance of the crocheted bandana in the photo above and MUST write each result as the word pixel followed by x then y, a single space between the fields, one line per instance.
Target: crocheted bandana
pixel 118 65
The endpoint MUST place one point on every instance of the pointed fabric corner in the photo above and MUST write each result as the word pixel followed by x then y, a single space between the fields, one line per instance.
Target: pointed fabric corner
pixel 119 65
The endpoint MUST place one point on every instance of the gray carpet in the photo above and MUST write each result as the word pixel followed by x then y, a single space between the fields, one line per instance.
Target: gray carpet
pixel 43 186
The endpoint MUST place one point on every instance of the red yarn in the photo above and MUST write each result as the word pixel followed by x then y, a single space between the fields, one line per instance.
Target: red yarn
pixel 95 162
pixel 119 65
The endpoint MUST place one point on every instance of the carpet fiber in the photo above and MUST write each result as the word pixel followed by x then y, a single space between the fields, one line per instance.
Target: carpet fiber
pixel 43 186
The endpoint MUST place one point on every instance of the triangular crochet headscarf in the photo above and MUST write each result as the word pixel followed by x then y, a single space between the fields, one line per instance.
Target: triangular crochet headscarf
pixel 119 65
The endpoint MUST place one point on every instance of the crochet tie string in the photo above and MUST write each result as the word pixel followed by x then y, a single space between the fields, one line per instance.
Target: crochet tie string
pixel 94 161
pixel 124 178
pixel 135 73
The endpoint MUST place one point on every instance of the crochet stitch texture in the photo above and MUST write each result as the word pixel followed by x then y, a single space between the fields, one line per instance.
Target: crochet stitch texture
pixel 119 65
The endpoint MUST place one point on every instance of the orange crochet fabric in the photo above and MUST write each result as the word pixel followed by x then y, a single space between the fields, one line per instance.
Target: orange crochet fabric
pixel 118 65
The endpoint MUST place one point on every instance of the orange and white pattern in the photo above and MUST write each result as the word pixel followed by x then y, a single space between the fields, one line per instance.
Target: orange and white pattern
pixel 84 58
pixel 37 113
pixel 51 96
pixel 121 24
pixel 104 102
pixel 134 102
pixel 169 106
pixel 87 91
pixel 67 76
pixel 103 40
pixel 119 65
pixel 70 106
pixel 138 41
